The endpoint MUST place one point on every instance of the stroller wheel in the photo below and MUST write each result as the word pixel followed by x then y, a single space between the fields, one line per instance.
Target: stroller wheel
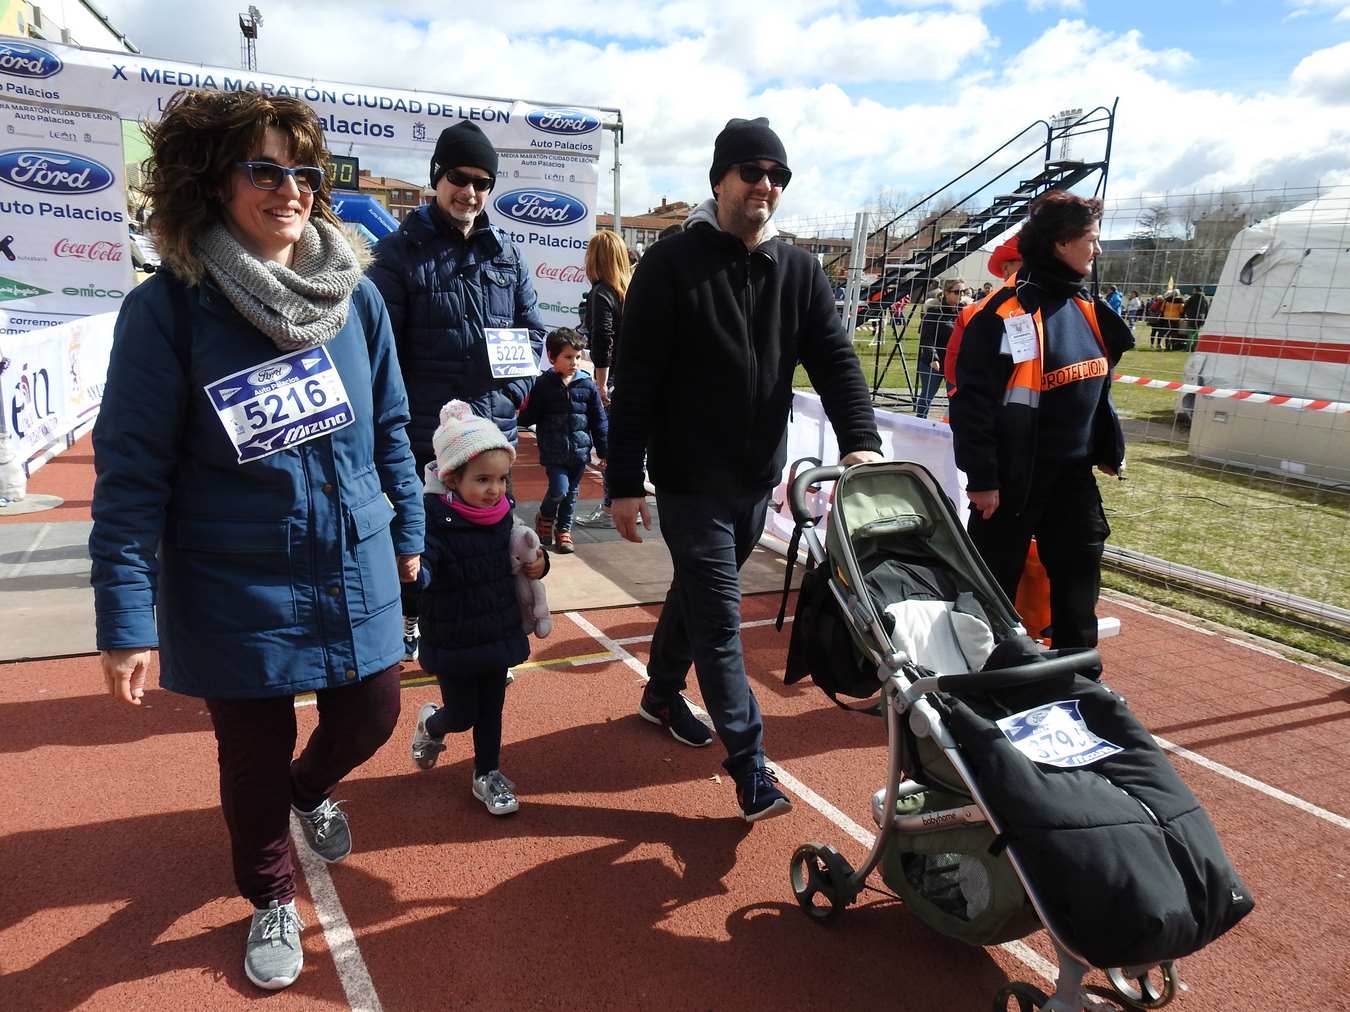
pixel 820 881
pixel 1149 987
pixel 1026 997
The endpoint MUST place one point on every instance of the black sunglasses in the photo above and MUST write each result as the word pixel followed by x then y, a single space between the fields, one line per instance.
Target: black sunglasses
pixel 480 183
pixel 752 174
pixel 270 175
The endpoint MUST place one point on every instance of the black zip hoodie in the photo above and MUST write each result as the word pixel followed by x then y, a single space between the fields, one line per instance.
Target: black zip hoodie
pixel 712 333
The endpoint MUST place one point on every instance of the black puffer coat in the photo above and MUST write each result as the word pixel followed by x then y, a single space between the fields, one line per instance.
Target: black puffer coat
pixel 568 419
pixel 442 290
pixel 469 615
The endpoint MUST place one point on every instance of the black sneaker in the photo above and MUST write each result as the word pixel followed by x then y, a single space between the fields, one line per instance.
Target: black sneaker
pixel 677 718
pixel 758 794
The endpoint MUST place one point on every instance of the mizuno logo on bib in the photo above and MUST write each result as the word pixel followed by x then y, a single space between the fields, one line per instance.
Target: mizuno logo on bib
pixel 281 403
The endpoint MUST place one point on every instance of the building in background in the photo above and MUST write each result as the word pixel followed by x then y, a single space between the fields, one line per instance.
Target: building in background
pixel 399 197
pixel 73 22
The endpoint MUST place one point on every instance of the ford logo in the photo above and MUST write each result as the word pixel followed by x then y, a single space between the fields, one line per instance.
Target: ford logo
pixel 19 59
pixel 268 374
pixel 54 172
pixel 563 121
pixel 541 207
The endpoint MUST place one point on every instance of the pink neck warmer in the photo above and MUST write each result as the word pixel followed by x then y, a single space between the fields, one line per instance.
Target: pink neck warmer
pixel 484 516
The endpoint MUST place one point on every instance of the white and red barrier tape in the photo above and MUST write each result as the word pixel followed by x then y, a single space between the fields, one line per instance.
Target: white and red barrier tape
pixel 1299 403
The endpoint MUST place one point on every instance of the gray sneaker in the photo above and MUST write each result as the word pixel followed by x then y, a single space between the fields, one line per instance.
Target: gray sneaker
pixel 496 793
pixel 425 745
pixel 325 830
pixel 273 957
pixel 598 517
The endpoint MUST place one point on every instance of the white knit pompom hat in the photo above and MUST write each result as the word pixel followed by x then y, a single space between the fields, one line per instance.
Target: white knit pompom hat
pixel 462 435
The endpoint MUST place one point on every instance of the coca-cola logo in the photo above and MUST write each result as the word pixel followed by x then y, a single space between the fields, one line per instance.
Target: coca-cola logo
pixel 101 249
pixel 561 272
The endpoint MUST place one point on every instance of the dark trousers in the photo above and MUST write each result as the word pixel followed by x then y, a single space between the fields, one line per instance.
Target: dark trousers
pixel 1064 513
pixel 929 379
pixel 709 537
pixel 258 782
pixel 475 700
pixel 560 502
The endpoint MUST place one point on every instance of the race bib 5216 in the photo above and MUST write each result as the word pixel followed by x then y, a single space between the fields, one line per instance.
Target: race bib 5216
pixel 281 403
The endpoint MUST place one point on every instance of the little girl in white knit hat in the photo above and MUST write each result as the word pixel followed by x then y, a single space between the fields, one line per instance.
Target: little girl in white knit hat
pixel 470 617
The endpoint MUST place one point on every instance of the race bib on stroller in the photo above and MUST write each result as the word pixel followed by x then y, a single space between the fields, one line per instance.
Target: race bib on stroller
pixel 1055 735
pixel 281 403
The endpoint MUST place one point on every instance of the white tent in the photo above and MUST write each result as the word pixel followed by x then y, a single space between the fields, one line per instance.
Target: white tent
pixel 1280 324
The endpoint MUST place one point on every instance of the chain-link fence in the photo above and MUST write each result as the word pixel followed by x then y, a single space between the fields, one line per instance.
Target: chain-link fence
pixel 1236 398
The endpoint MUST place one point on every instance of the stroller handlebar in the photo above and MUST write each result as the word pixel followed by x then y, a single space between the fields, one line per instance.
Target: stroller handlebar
pixel 1068 662
pixel 803 481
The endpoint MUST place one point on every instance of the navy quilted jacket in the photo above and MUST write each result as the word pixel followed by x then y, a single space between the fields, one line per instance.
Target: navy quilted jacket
pixel 568 419
pixel 469 615
pixel 442 290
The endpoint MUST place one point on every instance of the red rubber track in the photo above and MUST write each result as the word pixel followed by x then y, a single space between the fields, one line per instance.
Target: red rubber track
pixel 626 881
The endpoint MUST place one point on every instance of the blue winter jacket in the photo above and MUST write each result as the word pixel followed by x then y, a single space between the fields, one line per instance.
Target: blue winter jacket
pixel 259 579
pixel 568 419
pixel 442 290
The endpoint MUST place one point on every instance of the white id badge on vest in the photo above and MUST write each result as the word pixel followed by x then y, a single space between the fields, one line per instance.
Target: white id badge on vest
pixel 1019 338
pixel 281 403
pixel 509 353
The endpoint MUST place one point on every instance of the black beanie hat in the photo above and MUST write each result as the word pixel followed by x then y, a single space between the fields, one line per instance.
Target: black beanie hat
pixel 744 140
pixel 463 144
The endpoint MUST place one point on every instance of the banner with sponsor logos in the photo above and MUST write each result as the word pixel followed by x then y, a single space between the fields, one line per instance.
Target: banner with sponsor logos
pixel 52 380
pixel 553 150
pixel 63 230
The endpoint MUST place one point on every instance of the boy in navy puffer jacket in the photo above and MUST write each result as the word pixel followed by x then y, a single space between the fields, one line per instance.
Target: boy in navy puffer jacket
pixel 564 407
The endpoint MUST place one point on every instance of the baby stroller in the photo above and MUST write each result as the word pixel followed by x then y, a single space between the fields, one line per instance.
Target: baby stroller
pixel 1020 792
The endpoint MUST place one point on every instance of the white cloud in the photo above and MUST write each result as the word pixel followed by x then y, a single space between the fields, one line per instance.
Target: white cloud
pixel 1064 5
pixel 1325 74
pixel 902 99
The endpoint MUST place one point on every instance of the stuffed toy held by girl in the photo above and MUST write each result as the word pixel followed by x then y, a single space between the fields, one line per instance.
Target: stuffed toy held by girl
pixel 534 616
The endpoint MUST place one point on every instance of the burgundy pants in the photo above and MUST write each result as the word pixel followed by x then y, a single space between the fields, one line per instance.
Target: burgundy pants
pixel 255 739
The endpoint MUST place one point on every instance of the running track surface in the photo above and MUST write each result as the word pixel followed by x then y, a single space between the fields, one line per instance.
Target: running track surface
pixel 626 881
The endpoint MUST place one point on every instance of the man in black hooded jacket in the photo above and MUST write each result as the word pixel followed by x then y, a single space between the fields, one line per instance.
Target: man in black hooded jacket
pixel 715 322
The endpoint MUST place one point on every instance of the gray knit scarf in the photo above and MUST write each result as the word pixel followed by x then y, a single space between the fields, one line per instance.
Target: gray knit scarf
pixel 301 306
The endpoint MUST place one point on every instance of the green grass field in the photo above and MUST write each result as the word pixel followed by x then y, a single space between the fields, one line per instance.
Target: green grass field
pixel 1275 532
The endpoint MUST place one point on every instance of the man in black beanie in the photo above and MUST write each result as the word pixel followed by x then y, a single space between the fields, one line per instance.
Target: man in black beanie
pixel 446 275
pixel 725 294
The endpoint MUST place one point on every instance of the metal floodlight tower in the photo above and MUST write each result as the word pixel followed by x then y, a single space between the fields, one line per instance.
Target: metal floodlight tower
pixel 1061 120
pixel 248 38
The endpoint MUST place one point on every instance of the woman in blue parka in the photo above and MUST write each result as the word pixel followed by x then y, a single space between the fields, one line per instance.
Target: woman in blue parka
pixel 256 504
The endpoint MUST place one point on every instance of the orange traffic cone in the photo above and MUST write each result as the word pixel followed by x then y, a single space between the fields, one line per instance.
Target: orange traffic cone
pixel 1033 596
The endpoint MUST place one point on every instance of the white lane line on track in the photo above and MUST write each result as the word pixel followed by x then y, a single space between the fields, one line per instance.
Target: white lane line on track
pixel 1253 783
pixel 630 640
pixel 837 818
pixel 1246 644
pixel 337 931
pixel 33 546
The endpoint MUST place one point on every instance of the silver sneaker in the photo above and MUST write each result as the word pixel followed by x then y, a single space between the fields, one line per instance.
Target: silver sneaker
pixel 273 957
pixel 426 747
pixel 598 517
pixel 496 793
pixel 325 830
pixel 412 642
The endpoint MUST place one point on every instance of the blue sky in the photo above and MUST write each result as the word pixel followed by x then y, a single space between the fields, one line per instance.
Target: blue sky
pixel 884 95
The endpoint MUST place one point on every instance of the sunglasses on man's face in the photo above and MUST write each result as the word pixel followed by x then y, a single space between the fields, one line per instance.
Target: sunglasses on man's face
pixel 752 174
pixel 271 176
pixel 481 184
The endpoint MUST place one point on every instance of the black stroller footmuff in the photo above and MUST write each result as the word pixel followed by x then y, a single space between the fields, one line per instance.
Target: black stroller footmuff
pixel 1127 864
